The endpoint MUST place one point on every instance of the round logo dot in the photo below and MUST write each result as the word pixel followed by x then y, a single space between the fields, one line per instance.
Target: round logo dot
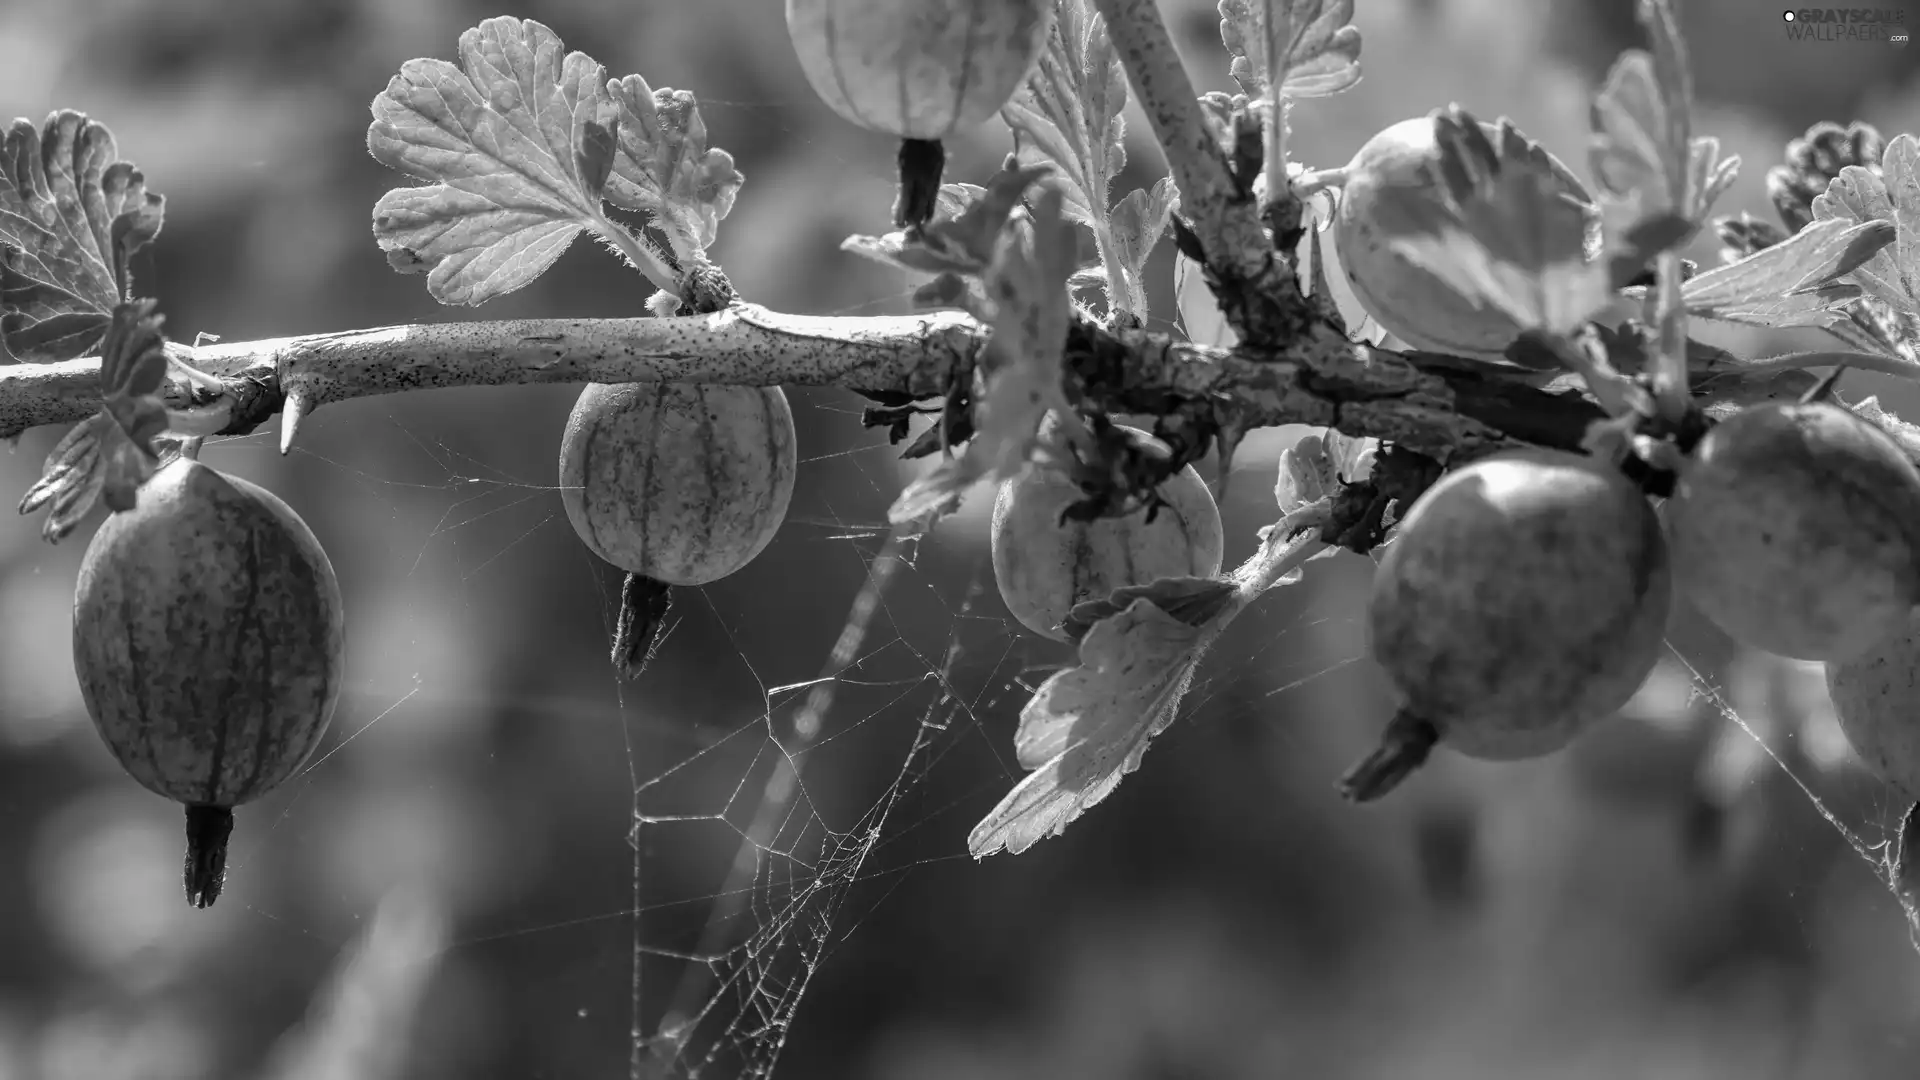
pixel 1787 15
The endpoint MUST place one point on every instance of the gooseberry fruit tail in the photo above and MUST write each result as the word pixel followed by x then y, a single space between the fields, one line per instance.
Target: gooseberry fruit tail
pixel 208 828
pixel 644 604
pixel 922 162
pixel 1404 747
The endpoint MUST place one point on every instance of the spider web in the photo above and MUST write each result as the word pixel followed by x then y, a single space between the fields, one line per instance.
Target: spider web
pixel 779 785
pixel 778 814
pixel 924 673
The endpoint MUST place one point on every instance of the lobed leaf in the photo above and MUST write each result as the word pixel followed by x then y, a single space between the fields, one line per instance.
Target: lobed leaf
pixel 1068 112
pixel 1022 367
pixel 1135 225
pixel 1315 468
pixel 506 141
pixel 111 453
pixel 1195 601
pixel 1088 726
pixel 965 231
pixel 1890 196
pixel 1805 280
pixel 1643 153
pixel 72 215
pixel 665 167
pixel 1200 316
pixel 951 290
pixel 1506 236
pixel 1295 48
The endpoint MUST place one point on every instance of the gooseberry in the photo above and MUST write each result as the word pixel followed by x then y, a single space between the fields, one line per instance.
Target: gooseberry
pixel 208 639
pixel 1522 599
pixel 1796 527
pixel 1045 565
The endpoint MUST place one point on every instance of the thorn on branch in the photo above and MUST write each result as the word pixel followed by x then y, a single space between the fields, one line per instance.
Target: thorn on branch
pixel 1823 389
pixel 299 402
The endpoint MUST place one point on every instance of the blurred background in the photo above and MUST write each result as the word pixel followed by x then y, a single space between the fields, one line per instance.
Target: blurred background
pixel 450 890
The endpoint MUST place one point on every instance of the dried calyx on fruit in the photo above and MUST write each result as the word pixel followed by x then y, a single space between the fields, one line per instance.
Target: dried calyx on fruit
pixel 918 70
pixel 1045 563
pixel 1402 165
pixel 1796 529
pixel 208 639
pixel 1523 599
pixel 677 484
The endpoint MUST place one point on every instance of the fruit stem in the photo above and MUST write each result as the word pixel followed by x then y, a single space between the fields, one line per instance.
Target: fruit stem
pixel 922 161
pixel 208 828
pixel 644 604
pixel 1404 747
pixel 1314 181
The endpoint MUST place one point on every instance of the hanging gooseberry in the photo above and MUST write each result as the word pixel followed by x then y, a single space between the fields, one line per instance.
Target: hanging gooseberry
pixel 1522 600
pixel 1796 529
pixel 677 484
pixel 1876 698
pixel 1045 565
pixel 208 640
pixel 918 70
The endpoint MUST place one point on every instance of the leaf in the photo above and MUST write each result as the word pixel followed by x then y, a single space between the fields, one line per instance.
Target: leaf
pixel 1892 196
pixel 1200 314
pixel 133 365
pixel 965 231
pixel 1629 253
pixel 951 290
pixel 1192 600
pixel 1304 48
pixel 1880 360
pixel 1068 111
pixel 71 479
pixel 1315 468
pixel 500 140
pixel 1352 458
pixel 665 167
pixel 1022 365
pixel 1805 280
pixel 71 217
pixel 1311 474
pixel 110 454
pixel 1643 154
pixel 1088 726
pixel 599 143
pixel 1136 225
pixel 1506 236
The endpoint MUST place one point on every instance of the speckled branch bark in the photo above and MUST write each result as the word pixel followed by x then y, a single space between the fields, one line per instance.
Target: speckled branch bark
pixel 1434 410
pixel 1257 291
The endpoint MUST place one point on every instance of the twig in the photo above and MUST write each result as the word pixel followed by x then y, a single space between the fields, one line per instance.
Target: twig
pixel 1433 409
pixel 1258 292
